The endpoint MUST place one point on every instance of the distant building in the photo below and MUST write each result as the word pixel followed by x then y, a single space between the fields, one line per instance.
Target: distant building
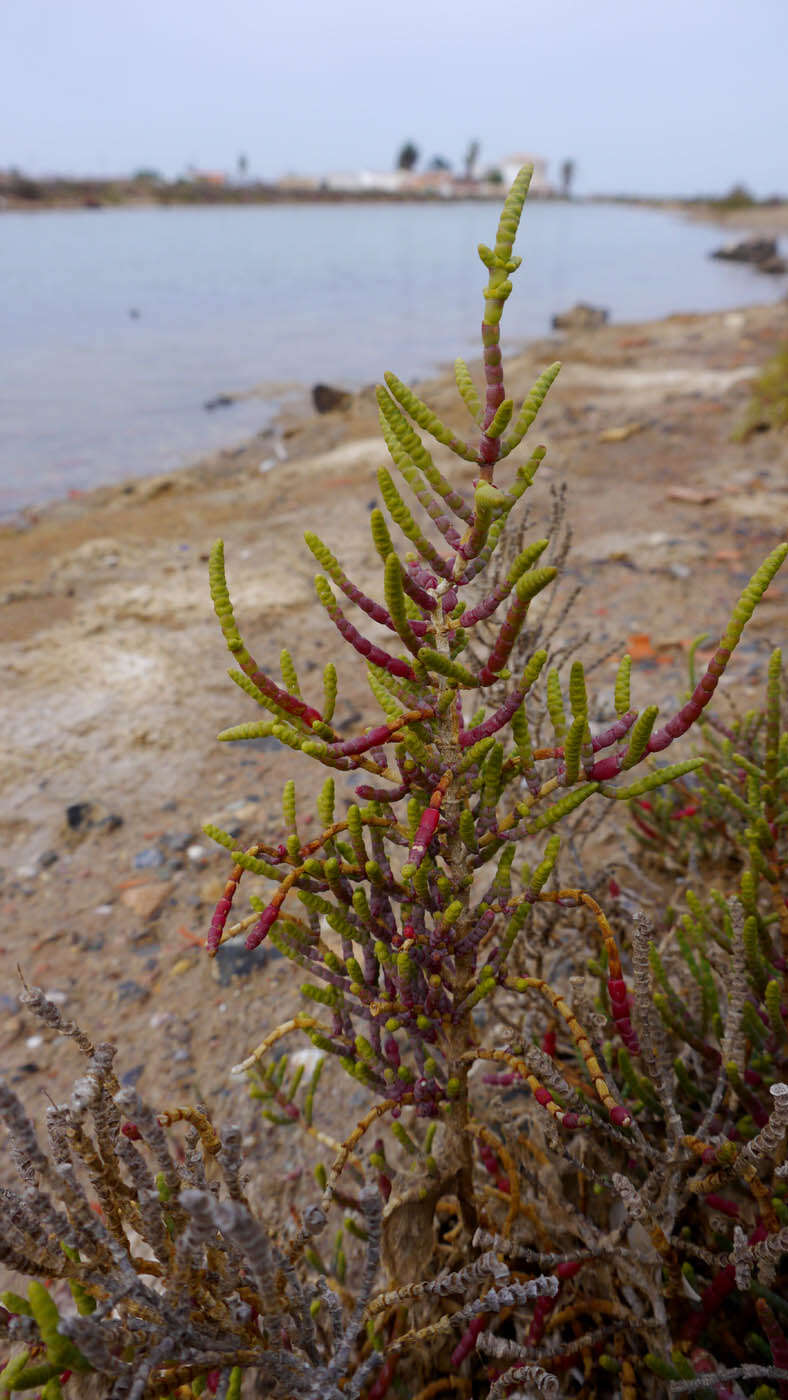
pixel 364 181
pixel 208 177
pixel 540 185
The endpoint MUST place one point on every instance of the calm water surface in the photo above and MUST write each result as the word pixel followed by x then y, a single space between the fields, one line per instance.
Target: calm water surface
pixel 267 300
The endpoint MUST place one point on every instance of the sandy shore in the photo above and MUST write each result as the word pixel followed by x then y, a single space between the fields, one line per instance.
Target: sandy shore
pixel 763 220
pixel 115 672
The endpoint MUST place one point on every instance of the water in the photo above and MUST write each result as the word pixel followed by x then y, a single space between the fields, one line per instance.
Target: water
pixel 262 297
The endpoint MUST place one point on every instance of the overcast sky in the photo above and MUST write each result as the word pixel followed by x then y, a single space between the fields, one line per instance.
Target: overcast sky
pixel 652 96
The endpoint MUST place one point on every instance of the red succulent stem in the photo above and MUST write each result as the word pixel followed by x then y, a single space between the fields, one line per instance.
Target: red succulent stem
pixel 381 734
pixel 496 721
pixel 487 606
pixel 221 911
pixel 428 824
pixel 365 648
pixel 504 641
pixel 490 448
pixel 619 1006
pixel 283 698
pixel 373 794
pixel 714 1296
pixel 697 702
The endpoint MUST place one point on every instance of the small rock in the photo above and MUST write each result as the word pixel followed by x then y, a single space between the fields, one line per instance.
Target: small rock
pixel 33 1041
pixel 57 996
pixel 219 401
pixel 132 1075
pixel 129 990
pixel 78 814
pixel 197 853
pixel 627 430
pixel 178 840
pixel 48 858
pixel 327 399
pixel 692 495
pixel 747 250
pixel 147 859
pixel 145 900
pixel 581 317
pixel 233 959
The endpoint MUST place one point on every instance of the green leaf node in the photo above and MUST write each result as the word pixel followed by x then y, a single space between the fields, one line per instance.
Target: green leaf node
pixel 621 697
pixel 437 662
pixel 530 408
pixel 427 420
pixel 467 390
pixel 657 779
pixel 562 808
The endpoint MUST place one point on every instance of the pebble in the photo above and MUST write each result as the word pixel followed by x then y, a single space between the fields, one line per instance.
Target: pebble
pixel 77 814
pixel 178 840
pixel 150 857
pixel 145 900
pixel 234 960
pixel 33 1041
pixel 129 990
pixel 103 910
pixel 132 1075
pixel 57 996
pixel 197 853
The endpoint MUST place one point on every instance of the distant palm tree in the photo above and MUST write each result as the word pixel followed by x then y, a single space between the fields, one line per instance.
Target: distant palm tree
pixel 408 156
pixel 567 176
pixel 471 157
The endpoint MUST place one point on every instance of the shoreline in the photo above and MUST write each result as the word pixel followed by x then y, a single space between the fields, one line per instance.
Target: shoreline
pixel 116 673
pixel 302 422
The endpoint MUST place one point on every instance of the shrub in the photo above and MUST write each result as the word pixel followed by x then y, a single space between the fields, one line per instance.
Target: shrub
pixel 576 1116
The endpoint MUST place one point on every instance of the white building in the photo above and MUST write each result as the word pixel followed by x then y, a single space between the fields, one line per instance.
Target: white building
pixel 510 165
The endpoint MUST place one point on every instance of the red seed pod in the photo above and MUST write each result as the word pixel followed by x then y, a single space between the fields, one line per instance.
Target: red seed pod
pixel 132 1132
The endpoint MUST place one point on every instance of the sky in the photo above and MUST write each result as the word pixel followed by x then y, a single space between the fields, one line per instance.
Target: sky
pixel 645 96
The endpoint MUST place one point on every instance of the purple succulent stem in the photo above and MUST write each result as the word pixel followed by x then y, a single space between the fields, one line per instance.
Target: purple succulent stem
pixel 380 658
pixel 697 702
pixel 427 828
pixel 381 734
pixel 472 939
pixel 619 1004
pixel 265 922
pixel 616 731
pixel 435 512
pixel 283 698
pixel 373 794
pixel 487 606
pixel 218 922
pixel 611 765
pixel 504 642
pixel 489 448
pixel 421 579
pixel 496 721
pixel 609 736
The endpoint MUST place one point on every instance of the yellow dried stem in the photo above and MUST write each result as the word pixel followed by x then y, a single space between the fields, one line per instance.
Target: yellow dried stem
pixel 209 1137
pixel 301 1022
pixel 601 1087
pixel 377 1111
